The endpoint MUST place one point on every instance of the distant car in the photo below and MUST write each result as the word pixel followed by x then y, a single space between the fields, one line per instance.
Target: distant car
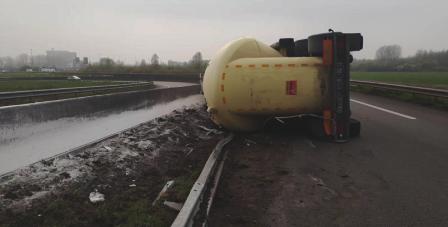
pixel 73 78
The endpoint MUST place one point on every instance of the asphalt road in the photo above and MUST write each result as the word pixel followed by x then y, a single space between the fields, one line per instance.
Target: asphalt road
pixel 394 174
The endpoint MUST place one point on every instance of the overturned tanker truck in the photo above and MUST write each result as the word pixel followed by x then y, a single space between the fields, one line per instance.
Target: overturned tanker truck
pixel 248 82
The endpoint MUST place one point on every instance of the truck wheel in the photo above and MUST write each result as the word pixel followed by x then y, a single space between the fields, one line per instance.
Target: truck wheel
pixel 355 128
pixel 301 48
pixel 315 42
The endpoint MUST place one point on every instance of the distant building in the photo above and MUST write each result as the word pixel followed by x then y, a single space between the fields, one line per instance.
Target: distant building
pixel 78 64
pixel 61 59
pixel 76 61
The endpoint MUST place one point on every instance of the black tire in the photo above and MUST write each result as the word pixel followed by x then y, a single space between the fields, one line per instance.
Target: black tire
pixel 355 128
pixel 286 46
pixel 301 48
pixel 315 42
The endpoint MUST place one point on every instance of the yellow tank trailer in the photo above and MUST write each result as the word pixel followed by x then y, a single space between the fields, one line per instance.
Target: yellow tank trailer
pixel 248 82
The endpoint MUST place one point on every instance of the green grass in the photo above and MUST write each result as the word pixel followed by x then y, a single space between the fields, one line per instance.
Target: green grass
pixel 182 186
pixel 426 79
pixel 23 85
pixel 438 103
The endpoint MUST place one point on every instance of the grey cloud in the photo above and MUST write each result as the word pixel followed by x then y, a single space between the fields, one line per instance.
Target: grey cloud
pixel 175 29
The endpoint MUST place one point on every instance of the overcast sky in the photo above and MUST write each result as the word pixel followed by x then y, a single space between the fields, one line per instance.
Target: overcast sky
pixel 175 29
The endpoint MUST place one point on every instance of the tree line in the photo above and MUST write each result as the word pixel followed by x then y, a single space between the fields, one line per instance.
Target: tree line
pixel 388 58
pixel 107 65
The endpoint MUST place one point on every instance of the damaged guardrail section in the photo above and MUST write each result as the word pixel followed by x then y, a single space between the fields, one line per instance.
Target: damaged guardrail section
pixel 196 203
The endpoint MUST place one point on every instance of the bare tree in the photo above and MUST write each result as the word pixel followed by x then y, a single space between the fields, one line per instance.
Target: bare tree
pixel 389 52
pixel 155 60
pixel 22 60
pixel 8 62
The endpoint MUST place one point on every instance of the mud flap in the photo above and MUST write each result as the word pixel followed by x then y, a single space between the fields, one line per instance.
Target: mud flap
pixel 355 128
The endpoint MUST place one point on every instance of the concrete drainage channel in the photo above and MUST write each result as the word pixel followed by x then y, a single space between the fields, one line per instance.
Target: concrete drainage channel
pixel 82 106
pixel 58 91
pixel 33 96
pixel 197 206
pixel 32 132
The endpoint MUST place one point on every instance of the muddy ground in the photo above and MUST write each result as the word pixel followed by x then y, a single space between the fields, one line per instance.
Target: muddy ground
pixel 252 177
pixel 129 170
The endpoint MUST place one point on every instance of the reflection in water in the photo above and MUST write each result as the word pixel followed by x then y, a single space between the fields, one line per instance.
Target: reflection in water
pixel 34 141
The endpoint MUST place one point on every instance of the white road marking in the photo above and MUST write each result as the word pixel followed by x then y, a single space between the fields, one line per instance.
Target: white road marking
pixel 382 109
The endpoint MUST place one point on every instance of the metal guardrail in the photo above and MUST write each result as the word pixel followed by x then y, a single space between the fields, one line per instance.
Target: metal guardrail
pixel 196 201
pixel 59 91
pixel 438 93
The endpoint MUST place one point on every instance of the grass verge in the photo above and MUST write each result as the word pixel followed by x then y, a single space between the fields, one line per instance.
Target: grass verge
pixel 424 100
pixel 426 79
